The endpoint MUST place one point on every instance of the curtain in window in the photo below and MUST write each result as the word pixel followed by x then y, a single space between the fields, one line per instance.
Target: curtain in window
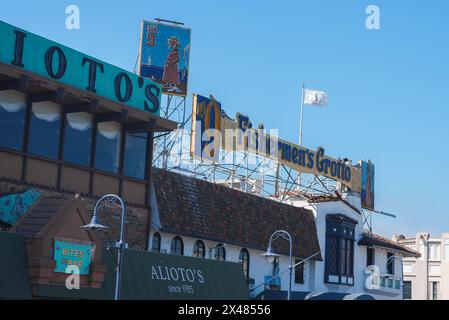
pixel 80 121
pixel 110 130
pixel 47 111
pixel 12 101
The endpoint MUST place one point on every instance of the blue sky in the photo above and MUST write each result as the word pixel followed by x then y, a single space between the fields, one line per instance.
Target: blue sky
pixel 388 89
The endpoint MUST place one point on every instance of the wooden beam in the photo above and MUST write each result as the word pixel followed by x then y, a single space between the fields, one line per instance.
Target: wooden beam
pixel 15 84
pixel 140 126
pixel 91 106
pixel 120 117
pixel 54 96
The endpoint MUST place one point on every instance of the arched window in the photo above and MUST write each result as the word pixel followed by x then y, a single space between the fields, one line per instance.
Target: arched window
pixel 220 252
pixel 156 243
pixel 177 246
pixel 244 260
pixel 199 249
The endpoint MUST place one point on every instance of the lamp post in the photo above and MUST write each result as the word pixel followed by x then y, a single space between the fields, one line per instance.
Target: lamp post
pixel 270 255
pixel 402 271
pixel 121 245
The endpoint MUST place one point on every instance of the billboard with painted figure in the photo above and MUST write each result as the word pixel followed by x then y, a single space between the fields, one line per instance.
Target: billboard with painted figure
pixel 164 56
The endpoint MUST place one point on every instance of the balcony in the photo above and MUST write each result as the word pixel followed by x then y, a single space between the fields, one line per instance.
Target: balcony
pixel 386 284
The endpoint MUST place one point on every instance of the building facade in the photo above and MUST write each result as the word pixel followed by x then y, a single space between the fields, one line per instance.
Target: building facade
pixel 356 261
pixel 426 277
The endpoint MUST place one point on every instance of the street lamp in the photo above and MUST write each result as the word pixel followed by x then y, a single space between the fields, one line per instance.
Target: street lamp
pixel 94 224
pixel 271 256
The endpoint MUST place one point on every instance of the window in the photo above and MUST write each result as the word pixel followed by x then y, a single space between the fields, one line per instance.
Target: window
pixel 434 252
pixel 199 249
pixel 407 293
pixel 434 290
pixel 156 243
pixel 446 249
pixel 244 260
pixel 220 252
pixel 78 138
pixel 108 146
pixel 339 261
pixel 299 271
pixel 45 129
pixel 390 263
pixel 135 155
pixel 12 118
pixel 370 256
pixel 177 246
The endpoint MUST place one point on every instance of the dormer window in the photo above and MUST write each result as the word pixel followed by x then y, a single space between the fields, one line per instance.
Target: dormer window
pixel 340 238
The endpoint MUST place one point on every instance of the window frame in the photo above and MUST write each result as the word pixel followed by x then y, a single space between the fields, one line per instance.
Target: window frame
pixel 158 236
pixel 220 248
pixel 407 287
pixel 340 230
pixel 390 263
pixel 299 271
pixel 244 253
pixel 196 246
pixel 175 240
pixel 370 256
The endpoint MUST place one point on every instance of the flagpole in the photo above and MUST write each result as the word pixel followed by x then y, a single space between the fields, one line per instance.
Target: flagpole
pixel 301 122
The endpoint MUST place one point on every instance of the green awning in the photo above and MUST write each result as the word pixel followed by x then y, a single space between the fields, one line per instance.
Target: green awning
pixel 158 276
pixel 14 281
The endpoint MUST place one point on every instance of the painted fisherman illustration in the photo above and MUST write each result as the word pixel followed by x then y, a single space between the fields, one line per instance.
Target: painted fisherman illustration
pixel 170 78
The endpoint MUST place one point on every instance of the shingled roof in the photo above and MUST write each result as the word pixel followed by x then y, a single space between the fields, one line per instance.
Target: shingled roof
pixel 201 209
pixel 379 241
pixel 38 216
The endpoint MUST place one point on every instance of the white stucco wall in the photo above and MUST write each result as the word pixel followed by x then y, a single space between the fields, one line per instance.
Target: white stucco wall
pixel 321 210
pixel 259 267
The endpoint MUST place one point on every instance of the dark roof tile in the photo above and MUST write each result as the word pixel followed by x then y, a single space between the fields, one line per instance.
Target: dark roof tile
pixel 197 208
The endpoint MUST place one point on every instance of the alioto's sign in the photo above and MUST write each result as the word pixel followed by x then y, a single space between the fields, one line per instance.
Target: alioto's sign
pixel 51 60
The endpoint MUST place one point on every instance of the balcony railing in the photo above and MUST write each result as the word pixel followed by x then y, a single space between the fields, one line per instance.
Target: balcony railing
pixel 383 284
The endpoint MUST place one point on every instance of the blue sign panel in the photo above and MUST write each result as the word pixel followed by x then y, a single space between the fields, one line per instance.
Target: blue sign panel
pixel 49 59
pixel 13 206
pixel 164 56
pixel 72 254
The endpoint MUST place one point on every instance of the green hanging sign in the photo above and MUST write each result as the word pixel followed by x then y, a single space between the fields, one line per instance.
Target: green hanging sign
pixel 49 59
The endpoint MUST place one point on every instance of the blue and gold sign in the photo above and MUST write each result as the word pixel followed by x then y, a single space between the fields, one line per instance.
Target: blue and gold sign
pixel 72 254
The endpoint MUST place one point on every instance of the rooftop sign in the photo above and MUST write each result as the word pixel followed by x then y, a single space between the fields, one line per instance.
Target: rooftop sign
pixel 51 60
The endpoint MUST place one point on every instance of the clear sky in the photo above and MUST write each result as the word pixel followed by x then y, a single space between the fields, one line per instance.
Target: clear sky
pixel 388 89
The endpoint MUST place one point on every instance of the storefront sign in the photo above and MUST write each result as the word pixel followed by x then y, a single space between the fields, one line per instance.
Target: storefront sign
pixel 72 254
pixel 150 275
pixel 239 135
pixel 46 58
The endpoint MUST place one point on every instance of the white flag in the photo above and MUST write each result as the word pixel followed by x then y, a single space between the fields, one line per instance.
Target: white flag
pixel 315 98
